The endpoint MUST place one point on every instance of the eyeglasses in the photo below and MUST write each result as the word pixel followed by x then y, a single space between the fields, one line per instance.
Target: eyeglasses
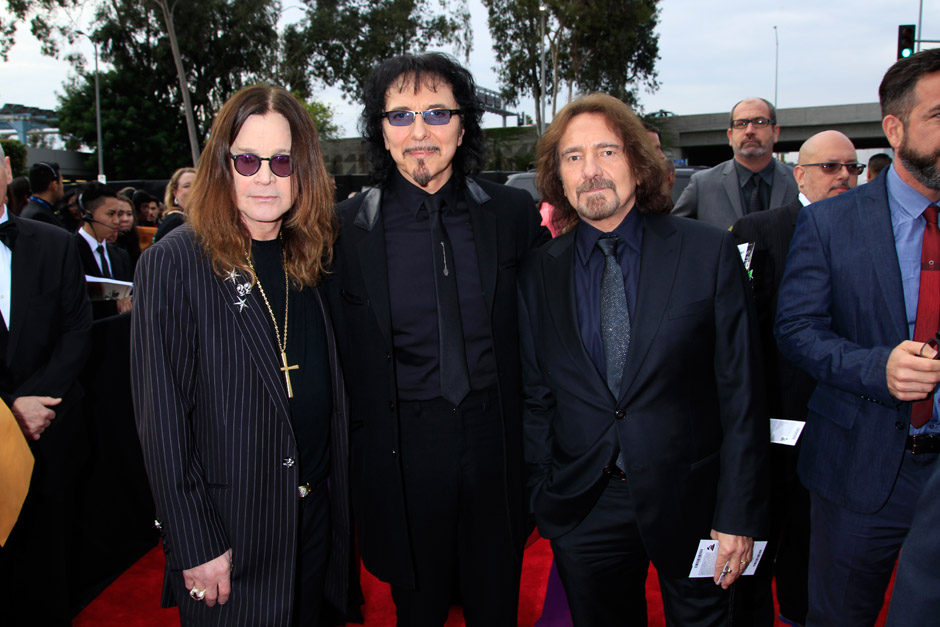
pixel 434 117
pixel 933 343
pixel 833 168
pixel 757 122
pixel 249 164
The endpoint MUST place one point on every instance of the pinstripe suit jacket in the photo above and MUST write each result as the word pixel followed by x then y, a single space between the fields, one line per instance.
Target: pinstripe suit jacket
pixel 214 422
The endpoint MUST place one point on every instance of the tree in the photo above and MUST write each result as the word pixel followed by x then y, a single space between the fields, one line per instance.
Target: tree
pixel 323 118
pixel 16 151
pixel 594 45
pixel 339 41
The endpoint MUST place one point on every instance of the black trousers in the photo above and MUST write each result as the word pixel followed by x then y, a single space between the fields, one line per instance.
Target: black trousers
pixel 455 492
pixel 313 554
pixel 787 554
pixel 603 567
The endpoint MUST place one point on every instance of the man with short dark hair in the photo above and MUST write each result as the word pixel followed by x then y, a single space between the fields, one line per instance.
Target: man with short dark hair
pixel 860 296
pixel 101 258
pixel 645 430
pixel 752 181
pixel 45 181
pixel 423 296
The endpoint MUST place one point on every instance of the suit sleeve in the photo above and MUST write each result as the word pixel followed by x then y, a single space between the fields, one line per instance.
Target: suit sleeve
pixel 687 205
pixel 68 357
pixel 803 326
pixel 743 486
pixel 164 377
pixel 538 408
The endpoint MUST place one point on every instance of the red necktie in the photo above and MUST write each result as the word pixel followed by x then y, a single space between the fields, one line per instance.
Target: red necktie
pixel 928 303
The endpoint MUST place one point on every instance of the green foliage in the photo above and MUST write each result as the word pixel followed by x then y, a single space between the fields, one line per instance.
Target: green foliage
pixel 16 151
pixel 323 116
pixel 593 45
pixel 339 41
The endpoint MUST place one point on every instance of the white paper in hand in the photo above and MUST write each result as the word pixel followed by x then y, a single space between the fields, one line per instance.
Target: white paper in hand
pixel 704 563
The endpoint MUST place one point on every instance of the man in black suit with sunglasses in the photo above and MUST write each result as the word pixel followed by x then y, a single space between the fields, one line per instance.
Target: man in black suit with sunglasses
pixel 423 295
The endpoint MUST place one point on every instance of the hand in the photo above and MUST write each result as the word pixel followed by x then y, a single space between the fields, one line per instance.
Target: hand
pixel 124 305
pixel 734 554
pixel 33 414
pixel 910 377
pixel 214 577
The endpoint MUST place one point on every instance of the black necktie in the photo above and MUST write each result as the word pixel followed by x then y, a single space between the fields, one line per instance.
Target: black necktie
pixel 105 269
pixel 8 233
pixel 754 203
pixel 615 318
pixel 455 381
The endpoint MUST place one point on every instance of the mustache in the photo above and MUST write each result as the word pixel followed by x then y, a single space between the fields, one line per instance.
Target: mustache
pixel 595 183
pixel 428 148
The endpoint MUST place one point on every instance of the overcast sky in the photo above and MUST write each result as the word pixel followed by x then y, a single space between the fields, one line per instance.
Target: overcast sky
pixel 712 54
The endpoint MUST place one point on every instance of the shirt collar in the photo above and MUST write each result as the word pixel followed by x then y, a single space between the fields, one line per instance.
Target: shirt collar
pixel 5 216
pixel 767 174
pixel 412 196
pixel 88 238
pixel 904 200
pixel 587 235
pixel 804 200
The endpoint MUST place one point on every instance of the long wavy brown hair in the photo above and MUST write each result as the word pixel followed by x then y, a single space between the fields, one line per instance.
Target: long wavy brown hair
pixel 646 165
pixel 309 227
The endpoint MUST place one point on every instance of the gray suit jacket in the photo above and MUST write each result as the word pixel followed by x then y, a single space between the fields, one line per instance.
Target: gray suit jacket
pixel 714 195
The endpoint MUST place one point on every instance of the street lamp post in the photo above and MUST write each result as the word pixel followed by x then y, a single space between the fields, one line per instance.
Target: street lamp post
pixel 101 175
pixel 542 10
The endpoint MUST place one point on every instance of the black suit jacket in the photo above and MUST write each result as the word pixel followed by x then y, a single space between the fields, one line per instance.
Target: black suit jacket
pixel 120 260
pixel 788 387
pixel 690 417
pixel 505 227
pixel 218 442
pixel 38 211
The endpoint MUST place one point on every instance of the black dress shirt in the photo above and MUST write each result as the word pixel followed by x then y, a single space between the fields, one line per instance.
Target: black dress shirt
pixel 588 269
pixel 412 299
pixel 311 407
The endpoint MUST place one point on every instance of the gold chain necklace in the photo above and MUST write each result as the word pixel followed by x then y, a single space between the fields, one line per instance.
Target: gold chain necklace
pixel 281 342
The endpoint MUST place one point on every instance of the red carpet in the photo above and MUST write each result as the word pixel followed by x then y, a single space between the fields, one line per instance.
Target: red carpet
pixel 133 600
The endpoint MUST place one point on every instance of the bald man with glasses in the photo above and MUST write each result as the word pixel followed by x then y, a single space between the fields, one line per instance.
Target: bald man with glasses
pixel 752 181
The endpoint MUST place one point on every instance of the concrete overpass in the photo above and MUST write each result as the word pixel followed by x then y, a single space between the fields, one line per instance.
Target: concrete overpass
pixel 703 139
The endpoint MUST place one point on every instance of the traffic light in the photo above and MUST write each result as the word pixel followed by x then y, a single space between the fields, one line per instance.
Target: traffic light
pixel 905 40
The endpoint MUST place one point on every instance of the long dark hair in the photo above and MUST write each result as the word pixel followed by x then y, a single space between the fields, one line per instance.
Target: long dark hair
pixel 426 70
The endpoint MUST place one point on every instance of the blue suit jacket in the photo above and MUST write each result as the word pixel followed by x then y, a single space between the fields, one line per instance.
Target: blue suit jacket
pixel 840 313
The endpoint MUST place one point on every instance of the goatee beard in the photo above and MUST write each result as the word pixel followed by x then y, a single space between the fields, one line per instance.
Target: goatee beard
pixel 922 167
pixel 421 174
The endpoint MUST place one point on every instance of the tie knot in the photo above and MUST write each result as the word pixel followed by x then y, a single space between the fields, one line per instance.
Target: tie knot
pixel 608 244
pixel 930 214
pixel 433 204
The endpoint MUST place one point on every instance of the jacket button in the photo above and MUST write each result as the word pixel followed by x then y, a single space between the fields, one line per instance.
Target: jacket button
pixel 288 462
pixel 391 405
pixel 899 425
pixel 388 357
pixel 620 414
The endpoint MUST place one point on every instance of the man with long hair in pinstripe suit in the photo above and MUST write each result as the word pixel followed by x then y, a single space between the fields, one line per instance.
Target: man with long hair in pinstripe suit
pixel 240 403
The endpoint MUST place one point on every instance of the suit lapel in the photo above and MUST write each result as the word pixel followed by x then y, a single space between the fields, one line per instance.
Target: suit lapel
pixel 558 283
pixel 729 180
pixel 778 191
pixel 485 237
pixel 367 237
pixel 658 262
pixel 245 304
pixel 874 217
pixel 24 261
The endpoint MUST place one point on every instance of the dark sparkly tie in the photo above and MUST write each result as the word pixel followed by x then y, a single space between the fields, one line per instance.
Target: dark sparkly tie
pixel 455 380
pixel 105 269
pixel 615 318
pixel 754 203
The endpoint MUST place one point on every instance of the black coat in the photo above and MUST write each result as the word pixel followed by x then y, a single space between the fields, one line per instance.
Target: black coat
pixel 505 227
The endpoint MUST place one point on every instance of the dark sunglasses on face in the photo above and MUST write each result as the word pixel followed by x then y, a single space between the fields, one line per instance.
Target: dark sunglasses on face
pixel 434 117
pixel 757 122
pixel 833 168
pixel 249 164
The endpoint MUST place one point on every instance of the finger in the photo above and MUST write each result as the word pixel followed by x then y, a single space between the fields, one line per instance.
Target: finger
pixel 225 590
pixel 212 594
pixel 49 400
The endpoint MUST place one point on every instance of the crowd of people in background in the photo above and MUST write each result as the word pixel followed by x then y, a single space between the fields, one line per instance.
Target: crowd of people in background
pixel 435 367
